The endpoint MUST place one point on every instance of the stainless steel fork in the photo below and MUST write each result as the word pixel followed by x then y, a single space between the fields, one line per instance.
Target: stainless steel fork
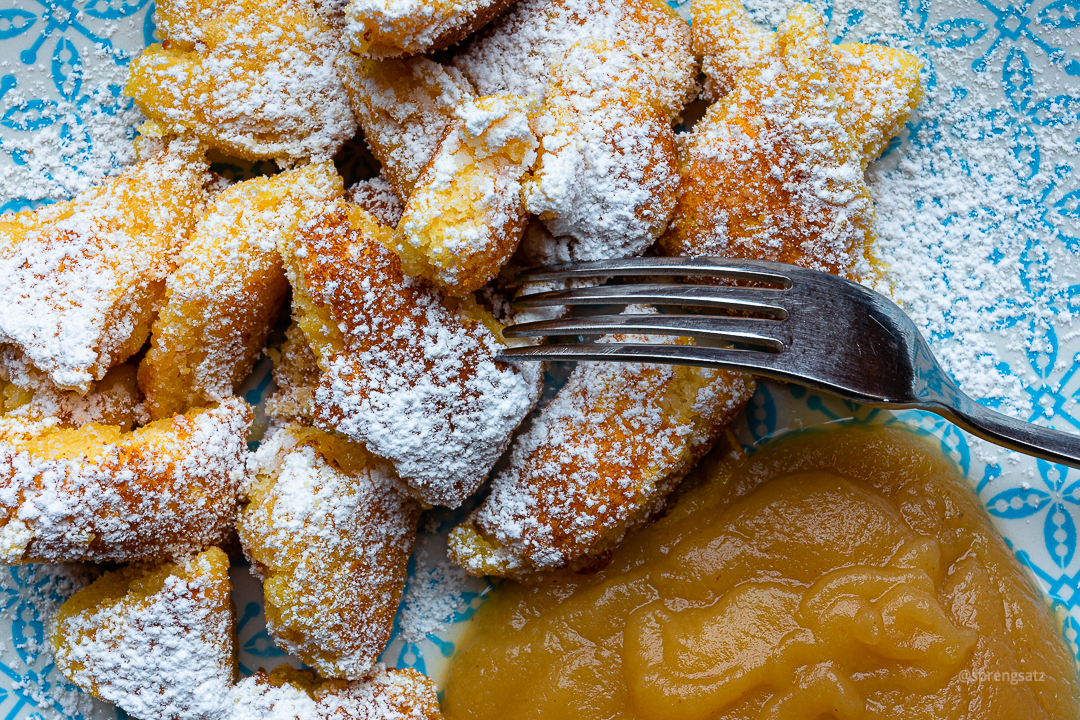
pixel 809 328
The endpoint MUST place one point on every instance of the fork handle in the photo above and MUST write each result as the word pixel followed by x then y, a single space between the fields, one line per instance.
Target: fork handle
pixel 1028 438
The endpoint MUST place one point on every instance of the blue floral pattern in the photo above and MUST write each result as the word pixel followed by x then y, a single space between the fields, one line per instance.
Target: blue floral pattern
pixel 1004 46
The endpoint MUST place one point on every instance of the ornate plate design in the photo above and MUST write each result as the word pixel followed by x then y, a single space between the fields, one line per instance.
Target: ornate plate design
pixel 979 220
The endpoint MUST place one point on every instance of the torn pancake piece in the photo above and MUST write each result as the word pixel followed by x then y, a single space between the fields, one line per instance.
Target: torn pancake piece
pixel 228 289
pixel 772 172
pixel 466 216
pixel 81 280
pixel 256 80
pixel 26 392
pixel 296 375
pixel 406 371
pixel 599 460
pixel 880 85
pixel 404 108
pixel 607 171
pixel 156 640
pixel 377 196
pixel 516 53
pixel 397 28
pixel 97 493
pixel 290 694
pixel 329 528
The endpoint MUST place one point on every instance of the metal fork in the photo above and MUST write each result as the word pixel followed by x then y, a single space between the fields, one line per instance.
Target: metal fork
pixel 810 328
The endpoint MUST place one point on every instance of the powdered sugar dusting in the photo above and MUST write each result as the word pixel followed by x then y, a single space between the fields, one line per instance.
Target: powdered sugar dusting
pixel 393 28
pixel 405 108
pixel 377 196
pixel 773 171
pixel 26 392
pixel 607 173
pixel 466 216
pixel 385 695
pixel 259 81
pixel 37 591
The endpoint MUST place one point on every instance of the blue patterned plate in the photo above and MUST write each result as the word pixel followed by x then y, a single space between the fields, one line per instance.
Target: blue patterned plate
pixel 979 218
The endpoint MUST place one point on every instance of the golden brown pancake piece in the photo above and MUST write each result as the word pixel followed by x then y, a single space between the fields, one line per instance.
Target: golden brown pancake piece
pixel 406 371
pixel 257 80
pixel 598 461
pixel 223 298
pixel 100 494
pixel 329 528
pixel 80 281
pixel 157 640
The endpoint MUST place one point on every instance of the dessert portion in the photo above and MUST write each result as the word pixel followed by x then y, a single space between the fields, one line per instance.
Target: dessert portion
pixel 256 80
pixel 157 640
pixel 80 281
pixel 803 581
pixel 289 694
pixel 329 528
pixel 404 108
pixel 26 392
pixel 98 493
pixel 222 300
pixel 607 173
pixel 406 371
pixel 466 215
pixel 396 28
pixel 846 574
pixel 789 108
pixel 598 461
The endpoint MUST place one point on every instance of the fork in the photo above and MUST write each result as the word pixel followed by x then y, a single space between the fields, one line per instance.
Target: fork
pixel 809 328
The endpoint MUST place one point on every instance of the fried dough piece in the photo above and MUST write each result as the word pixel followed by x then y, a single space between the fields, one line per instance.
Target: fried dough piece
pixel 157 640
pixel 80 281
pixel 599 460
pixel 407 372
pixel 404 108
pixel 290 694
pixel 296 374
pixel 772 173
pixel 222 300
pixel 396 28
pixel 466 216
pixel 516 53
pixel 377 196
pixel 26 392
pixel 329 529
pixel 879 85
pixel 607 172
pixel 99 494
pixel 257 80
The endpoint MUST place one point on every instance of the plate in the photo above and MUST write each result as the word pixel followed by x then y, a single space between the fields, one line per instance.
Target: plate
pixel 978 210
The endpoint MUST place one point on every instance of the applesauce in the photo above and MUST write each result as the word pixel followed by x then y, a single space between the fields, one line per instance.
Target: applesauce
pixel 845 574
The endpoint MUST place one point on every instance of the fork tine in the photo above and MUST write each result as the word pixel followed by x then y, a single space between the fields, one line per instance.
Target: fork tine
pixel 760 363
pixel 754 300
pixel 754 270
pixel 753 331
